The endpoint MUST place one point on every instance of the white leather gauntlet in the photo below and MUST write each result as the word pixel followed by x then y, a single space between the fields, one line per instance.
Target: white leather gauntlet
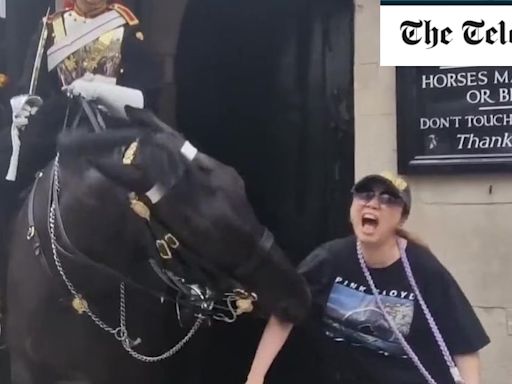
pixel 113 98
pixel 23 106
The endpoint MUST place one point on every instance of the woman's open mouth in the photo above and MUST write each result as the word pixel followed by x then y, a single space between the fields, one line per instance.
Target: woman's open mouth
pixel 369 222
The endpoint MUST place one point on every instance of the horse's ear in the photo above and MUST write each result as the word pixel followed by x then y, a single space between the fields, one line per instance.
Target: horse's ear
pixel 127 176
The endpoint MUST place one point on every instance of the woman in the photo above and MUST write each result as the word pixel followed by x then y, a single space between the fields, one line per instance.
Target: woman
pixel 393 312
pixel 93 49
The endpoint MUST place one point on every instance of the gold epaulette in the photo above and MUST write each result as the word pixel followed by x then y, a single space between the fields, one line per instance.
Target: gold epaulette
pixel 57 14
pixel 126 13
pixel 56 21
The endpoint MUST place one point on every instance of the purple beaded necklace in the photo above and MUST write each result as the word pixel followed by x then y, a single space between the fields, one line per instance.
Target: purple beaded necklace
pixel 433 326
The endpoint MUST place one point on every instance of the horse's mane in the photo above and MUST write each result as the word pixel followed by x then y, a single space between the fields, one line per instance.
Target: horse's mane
pixel 142 122
pixel 92 142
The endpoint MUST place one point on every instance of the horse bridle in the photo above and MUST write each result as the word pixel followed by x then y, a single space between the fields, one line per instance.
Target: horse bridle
pixel 207 305
pixel 166 244
pixel 65 247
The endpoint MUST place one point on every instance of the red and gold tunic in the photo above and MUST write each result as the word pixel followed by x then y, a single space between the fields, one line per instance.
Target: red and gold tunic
pixel 109 45
pixel 80 45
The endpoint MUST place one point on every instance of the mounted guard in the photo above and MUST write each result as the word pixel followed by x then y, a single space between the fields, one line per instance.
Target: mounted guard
pixel 93 49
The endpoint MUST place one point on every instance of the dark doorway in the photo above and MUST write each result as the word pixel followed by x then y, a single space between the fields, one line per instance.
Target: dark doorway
pixel 267 87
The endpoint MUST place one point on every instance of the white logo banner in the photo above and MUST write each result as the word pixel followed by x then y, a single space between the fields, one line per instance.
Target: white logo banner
pixel 446 35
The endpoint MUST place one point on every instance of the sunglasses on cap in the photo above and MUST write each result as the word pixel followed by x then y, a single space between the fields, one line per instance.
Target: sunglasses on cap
pixel 384 197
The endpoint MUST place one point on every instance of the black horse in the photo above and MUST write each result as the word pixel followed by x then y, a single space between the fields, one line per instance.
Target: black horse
pixel 128 242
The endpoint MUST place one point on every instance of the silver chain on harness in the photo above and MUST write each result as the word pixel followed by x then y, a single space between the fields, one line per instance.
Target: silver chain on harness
pixel 120 333
pixel 433 326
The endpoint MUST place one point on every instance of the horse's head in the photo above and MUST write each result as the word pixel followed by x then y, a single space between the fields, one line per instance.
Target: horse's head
pixel 200 214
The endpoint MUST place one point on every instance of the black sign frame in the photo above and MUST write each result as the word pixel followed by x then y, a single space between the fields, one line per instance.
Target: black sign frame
pixel 412 157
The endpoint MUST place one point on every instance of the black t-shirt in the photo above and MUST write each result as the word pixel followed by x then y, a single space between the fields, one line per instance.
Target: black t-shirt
pixel 364 348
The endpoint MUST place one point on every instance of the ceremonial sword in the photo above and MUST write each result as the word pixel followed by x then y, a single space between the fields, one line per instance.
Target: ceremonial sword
pixel 39 54
pixel 31 100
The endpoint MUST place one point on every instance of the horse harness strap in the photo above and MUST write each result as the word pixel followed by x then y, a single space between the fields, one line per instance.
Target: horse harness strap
pixel 65 247
pixel 195 295
pixel 92 113
pixel 71 252
pixel 32 233
pixel 167 244
pixel 80 304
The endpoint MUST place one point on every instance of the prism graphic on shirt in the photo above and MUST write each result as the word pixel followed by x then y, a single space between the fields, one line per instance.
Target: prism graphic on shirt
pixel 353 315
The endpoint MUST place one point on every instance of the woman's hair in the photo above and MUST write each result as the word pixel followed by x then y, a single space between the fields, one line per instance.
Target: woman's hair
pixel 410 237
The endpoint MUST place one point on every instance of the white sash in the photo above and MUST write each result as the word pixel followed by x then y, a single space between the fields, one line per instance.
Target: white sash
pixel 2 9
pixel 83 35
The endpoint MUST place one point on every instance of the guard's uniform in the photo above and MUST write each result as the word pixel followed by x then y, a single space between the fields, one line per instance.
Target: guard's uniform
pixel 110 45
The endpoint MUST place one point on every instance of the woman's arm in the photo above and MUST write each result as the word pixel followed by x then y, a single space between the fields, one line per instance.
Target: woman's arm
pixel 274 336
pixel 469 367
